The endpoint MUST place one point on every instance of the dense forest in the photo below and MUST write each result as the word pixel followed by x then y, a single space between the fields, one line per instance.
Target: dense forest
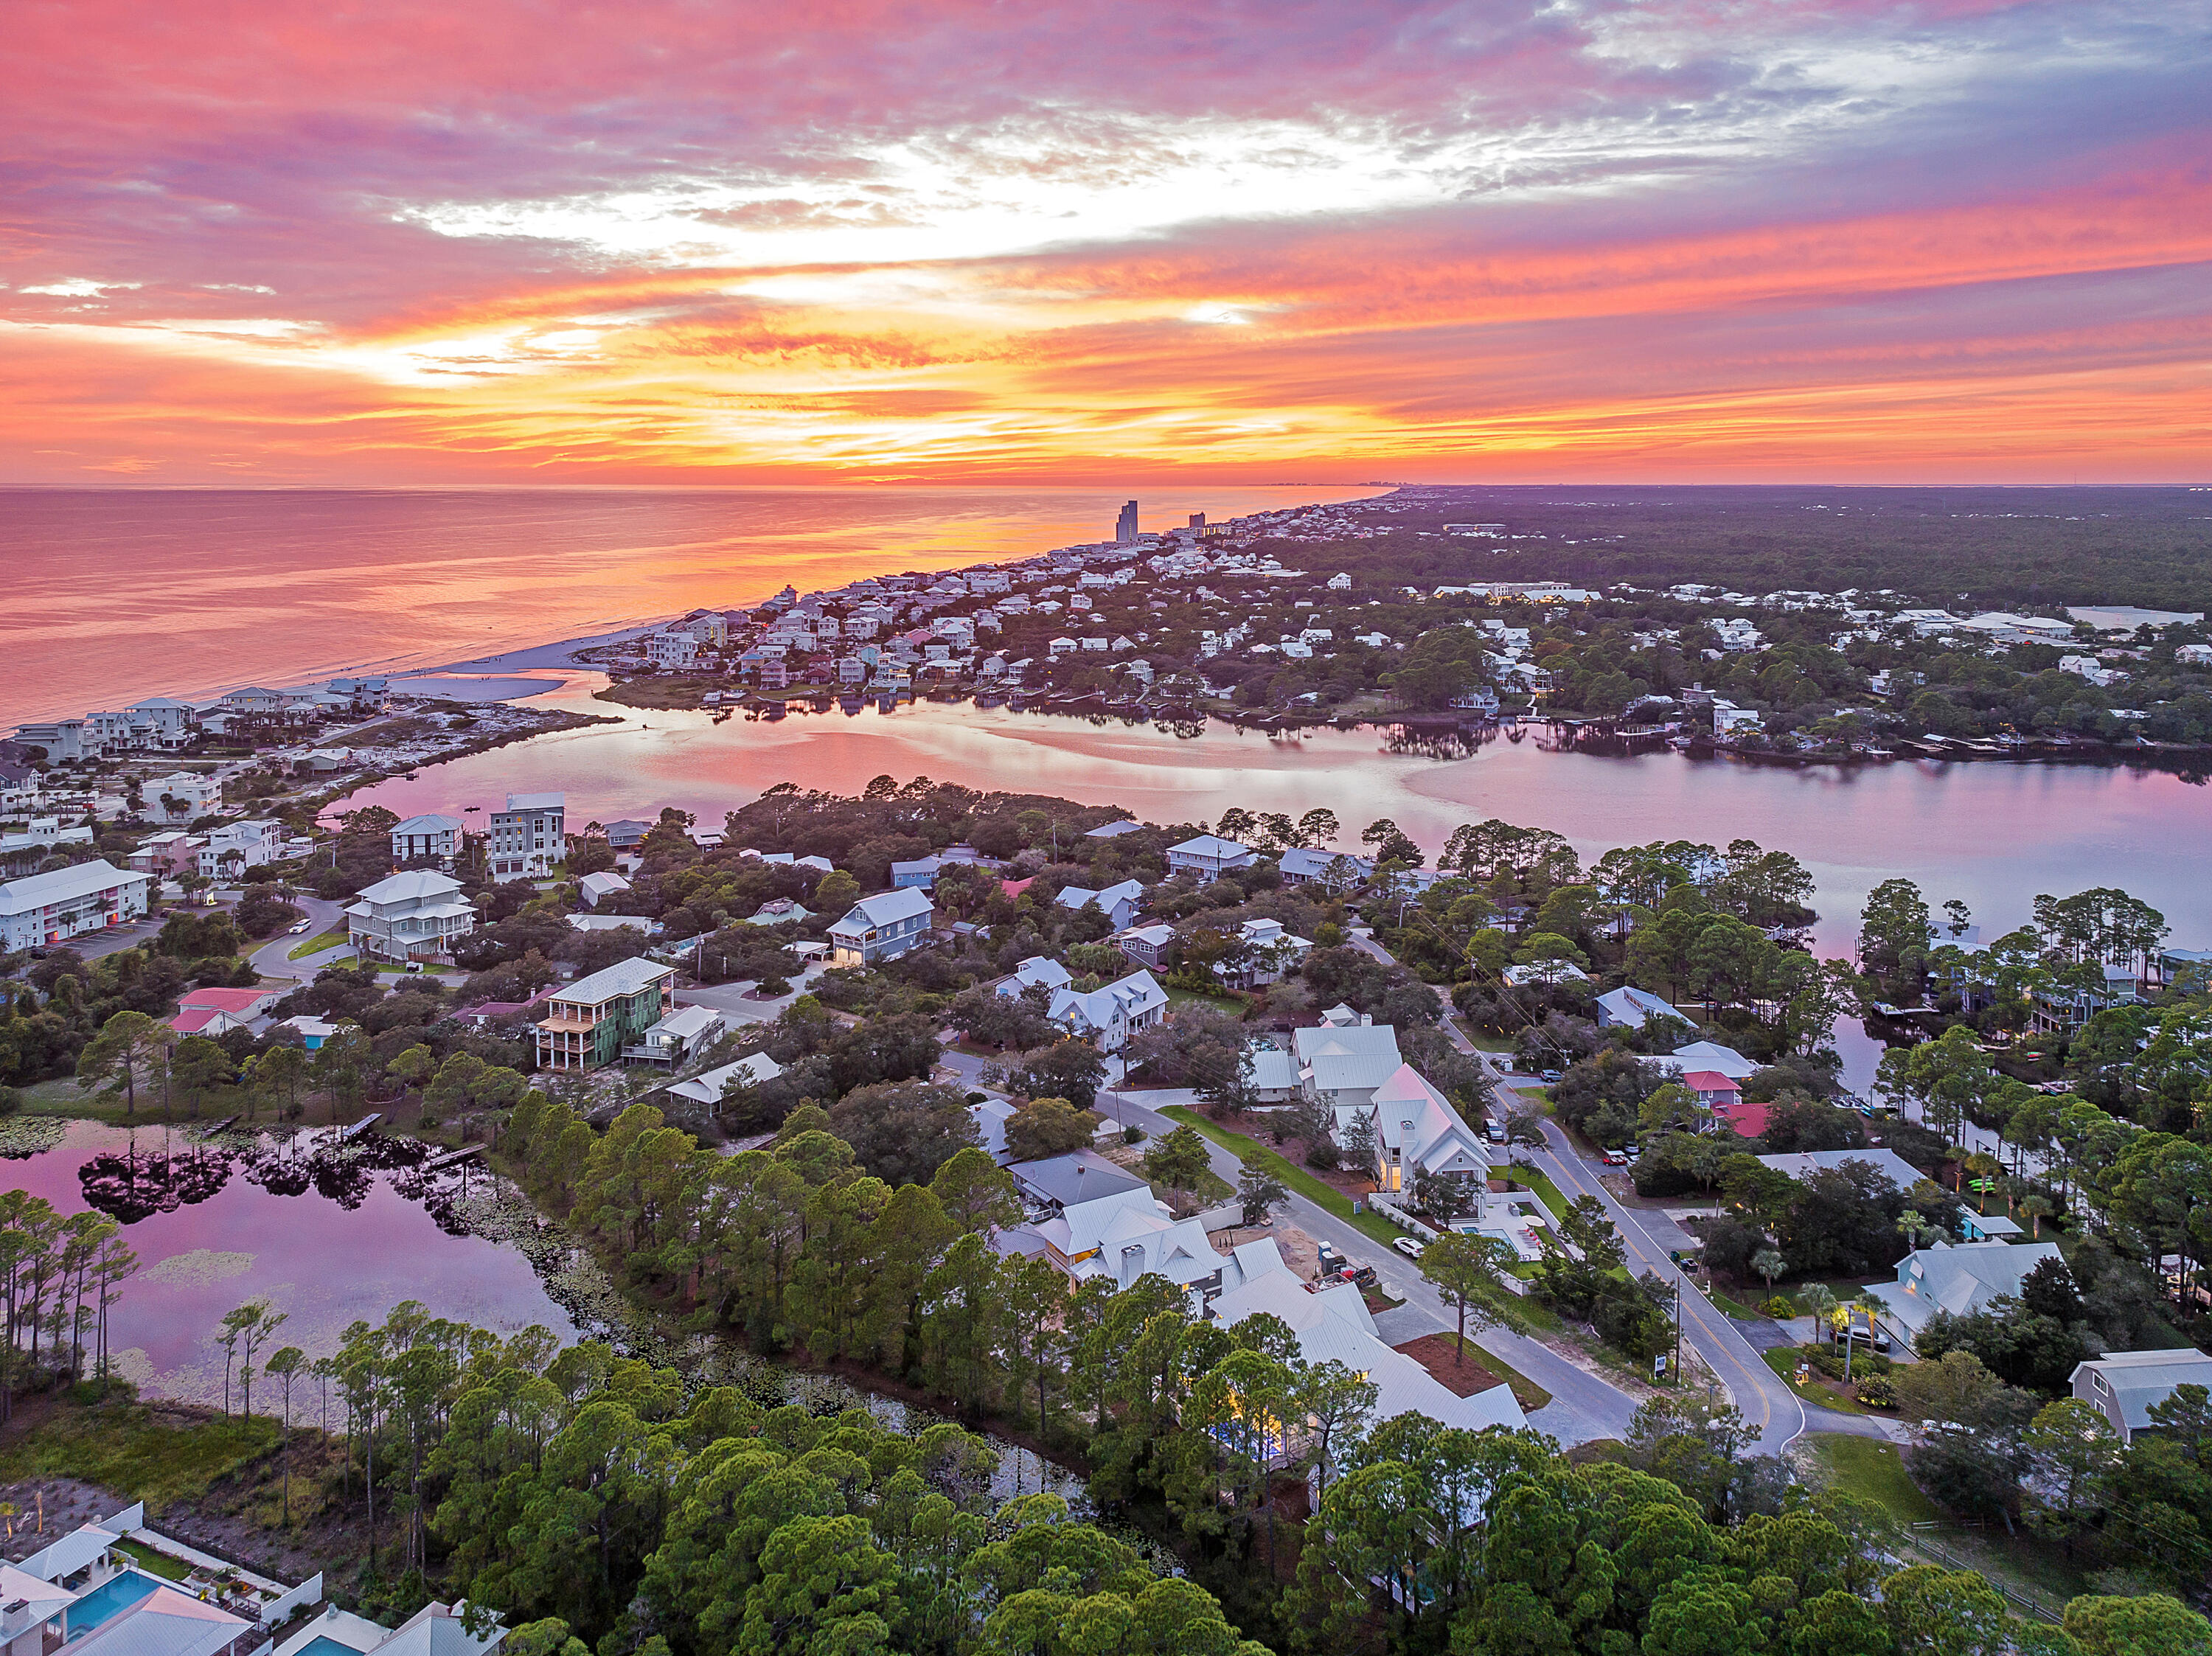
pixel 1985 547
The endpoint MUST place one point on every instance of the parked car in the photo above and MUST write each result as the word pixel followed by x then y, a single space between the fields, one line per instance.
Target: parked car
pixel 1494 1131
pixel 1551 1075
pixel 1409 1247
pixel 1859 1336
pixel 1616 1158
pixel 1631 1151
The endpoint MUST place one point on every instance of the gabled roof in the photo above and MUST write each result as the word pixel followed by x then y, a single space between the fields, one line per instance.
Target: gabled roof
pixel 1130 996
pixel 886 908
pixel 1709 1055
pixel 707 1088
pixel 609 982
pixel 1804 1163
pixel 1632 1006
pixel 415 885
pixel 2140 1380
pixel 61 884
pixel 164 1623
pixel 1414 1118
pixel 1355 1057
pixel 1304 864
pixel 1078 1177
pixel 1332 1325
pixel 227 1000
pixel 1210 845
pixel 1965 1277
pixel 431 823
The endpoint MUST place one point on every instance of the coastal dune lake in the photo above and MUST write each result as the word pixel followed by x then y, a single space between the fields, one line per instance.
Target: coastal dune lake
pixel 325 1234
pixel 1992 833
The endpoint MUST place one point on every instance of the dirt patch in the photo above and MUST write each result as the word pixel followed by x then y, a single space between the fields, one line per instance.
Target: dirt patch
pixel 1463 1377
pixel 1299 1250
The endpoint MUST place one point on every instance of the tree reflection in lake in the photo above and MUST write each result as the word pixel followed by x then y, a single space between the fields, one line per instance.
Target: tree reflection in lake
pixel 133 1183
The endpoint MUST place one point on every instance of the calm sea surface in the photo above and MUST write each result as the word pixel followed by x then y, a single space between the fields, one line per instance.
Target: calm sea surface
pixel 113 595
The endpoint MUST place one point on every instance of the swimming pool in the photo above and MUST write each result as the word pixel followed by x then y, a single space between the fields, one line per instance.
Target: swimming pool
pixel 323 1645
pixel 117 1593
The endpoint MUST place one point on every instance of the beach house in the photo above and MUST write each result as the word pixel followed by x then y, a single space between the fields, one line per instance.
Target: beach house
pixel 1208 856
pixel 527 838
pixel 589 1023
pixel 881 927
pixel 412 916
pixel 2125 1386
pixel 426 838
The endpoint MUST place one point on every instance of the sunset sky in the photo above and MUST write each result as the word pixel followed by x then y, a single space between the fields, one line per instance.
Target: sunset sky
pixel 869 241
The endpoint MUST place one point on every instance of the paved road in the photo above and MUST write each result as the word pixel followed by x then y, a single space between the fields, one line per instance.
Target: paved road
pixel 1583 1406
pixel 272 959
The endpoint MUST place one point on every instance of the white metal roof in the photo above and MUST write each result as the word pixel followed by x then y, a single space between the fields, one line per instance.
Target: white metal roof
pixel 62 885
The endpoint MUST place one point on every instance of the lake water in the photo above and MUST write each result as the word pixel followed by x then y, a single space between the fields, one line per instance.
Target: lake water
pixel 1992 834
pixel 118 594
pixel 326 1238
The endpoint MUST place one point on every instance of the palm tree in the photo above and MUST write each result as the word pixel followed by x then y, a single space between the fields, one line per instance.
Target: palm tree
pixel 2037 1207
pixel 1874 1305
pixel 1770 1265
pixel 1819 1301
pixel 1982 1166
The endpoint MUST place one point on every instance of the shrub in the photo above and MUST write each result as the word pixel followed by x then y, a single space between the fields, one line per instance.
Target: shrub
pixel 1877 1391
pixel 1779 1308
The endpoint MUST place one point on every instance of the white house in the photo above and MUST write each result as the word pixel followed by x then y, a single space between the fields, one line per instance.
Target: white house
pixel 1342 1065
pixel 707 1087
pixel 1333 1323
pixel 2125 1386
pixel 426 836
pixel 1038 971
pixel 235 846
pixel 1331 869
pixel 1706 1055
pixel 595 888
pixel 881 927
pixel 43 909
pixel 1109 1017
pixel 672 649
pixel 1630 1008
pixel 1269 950
pixel 180 797
pixel 1208 855
pixel 410 916
pixel 1418 1134
pixel 1118 903
pixel 527 838
pixel 1094 1219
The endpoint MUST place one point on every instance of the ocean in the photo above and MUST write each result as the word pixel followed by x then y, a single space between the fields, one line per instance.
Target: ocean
pixel 116 594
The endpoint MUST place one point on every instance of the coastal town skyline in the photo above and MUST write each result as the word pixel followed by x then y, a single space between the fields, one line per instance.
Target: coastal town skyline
pixel 1928 243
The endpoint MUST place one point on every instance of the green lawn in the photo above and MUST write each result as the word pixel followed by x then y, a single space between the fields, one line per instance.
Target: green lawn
pixel 316 944
pixel 120 1446
pixel 1783 1360
pixel 1737 1308
pixel 1871 1470
pixel 154 1563
pixel 1254 1154
pixel 1231 1005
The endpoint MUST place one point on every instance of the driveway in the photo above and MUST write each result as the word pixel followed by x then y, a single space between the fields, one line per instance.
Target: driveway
pixel 1583 1406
